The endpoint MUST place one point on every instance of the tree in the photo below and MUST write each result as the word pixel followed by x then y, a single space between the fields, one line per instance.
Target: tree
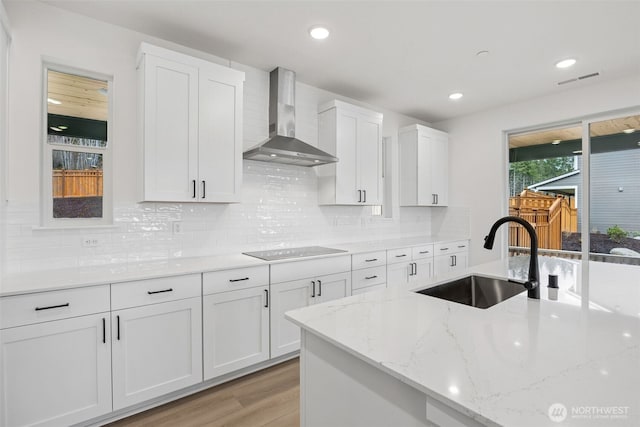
pixel 524 174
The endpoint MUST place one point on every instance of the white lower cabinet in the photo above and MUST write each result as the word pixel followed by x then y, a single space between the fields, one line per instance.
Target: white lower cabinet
pixel 285 336
pixel 235 330
pixel 451 256
pixel 56 373
pixel 409 265
pixel 157 349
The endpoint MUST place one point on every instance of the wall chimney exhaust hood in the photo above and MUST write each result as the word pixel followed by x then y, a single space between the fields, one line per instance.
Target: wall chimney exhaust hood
pixel 282 145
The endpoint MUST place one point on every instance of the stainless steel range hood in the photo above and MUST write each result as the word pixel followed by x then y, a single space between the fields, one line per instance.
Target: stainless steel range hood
pixel 282 145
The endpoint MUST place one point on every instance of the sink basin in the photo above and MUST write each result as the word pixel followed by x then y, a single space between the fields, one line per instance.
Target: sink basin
pixel 476 291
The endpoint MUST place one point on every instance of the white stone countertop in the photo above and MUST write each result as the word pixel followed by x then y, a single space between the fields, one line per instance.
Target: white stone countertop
pixel 505 365
pixel 39 281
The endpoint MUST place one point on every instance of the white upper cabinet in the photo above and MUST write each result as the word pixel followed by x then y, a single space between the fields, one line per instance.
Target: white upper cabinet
pixel 191 128
pixel 354 135
pixel 424 166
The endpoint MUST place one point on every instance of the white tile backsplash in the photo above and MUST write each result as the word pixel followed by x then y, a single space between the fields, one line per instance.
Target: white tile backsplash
pixel 279 208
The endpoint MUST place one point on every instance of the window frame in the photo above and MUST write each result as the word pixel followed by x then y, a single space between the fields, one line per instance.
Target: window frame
pixel 46 165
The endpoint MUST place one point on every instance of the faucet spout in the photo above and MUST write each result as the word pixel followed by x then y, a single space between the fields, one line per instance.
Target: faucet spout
pixel 533 278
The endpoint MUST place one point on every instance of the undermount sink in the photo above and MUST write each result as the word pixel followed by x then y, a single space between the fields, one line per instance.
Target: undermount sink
pixel 476 291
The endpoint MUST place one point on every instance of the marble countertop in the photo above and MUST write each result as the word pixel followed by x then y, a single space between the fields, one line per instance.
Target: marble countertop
pixel 505 365
pixel 39 281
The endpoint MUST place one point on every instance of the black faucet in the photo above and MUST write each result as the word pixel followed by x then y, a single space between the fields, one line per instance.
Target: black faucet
pixel 532 284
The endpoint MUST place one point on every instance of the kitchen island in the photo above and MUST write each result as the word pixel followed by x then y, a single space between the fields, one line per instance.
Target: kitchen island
pixel 398 358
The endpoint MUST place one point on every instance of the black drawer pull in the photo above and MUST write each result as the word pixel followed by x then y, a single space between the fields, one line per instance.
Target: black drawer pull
pixel 52 306
pixel 159 292
pixel 424 252
pixel 444 249
pixel 462 246
pixel 238 280
pixel 370 277
pixel 400 256
pixel 371 260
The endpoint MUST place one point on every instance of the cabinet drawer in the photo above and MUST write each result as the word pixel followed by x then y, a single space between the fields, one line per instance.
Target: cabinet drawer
pixel 369 289
pixel 54 305
pixel 152 291
pixel 288 271
pixel 451 247
pixel 398 255
pixel 420 252
pixel 231 280
pixel 370 259
pixel 368 277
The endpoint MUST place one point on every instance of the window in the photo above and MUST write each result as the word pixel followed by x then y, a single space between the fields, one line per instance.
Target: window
pixel 77 151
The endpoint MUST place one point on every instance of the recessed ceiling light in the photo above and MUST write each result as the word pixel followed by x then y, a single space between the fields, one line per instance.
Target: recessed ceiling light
pixel 53 101
pixel 319 33
pixel 456 95
pixel 555 142
pixel 629 130
pixel 55 128
pixel 566 63
pixel 577 152
pixel 272 155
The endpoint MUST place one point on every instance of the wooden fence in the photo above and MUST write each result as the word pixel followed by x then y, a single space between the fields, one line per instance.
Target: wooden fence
pixel 550 216
pixel 77 183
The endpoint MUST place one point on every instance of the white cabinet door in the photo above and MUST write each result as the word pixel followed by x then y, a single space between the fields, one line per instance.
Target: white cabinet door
pixel 56 373
pixel 422 270
pixel 346 180
pixel 157 349
pixel 398 274
pixel 235 331
pixel 426 194
pixel 285 336
pixel 332 287
pixel 370 160
pixel 440 167
pixel 451 262
pixel 170 130
pixel 220 142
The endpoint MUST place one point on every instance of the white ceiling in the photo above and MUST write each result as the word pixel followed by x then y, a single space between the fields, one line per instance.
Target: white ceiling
pixel 404 56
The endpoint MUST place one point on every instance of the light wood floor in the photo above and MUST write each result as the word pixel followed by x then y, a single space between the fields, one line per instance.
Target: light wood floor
pixel 269 398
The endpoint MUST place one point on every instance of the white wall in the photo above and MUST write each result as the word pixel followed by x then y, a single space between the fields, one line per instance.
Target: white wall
pixel 478 150
pixel 279 204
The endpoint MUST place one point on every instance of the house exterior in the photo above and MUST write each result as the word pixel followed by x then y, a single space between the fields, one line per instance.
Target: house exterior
pixel 615 189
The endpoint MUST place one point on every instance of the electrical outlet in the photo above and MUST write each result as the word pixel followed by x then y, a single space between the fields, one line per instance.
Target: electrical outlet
pixel 90 241
pixel 177 227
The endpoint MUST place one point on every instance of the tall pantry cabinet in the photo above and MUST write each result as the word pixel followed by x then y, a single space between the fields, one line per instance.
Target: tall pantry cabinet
pixel 191 128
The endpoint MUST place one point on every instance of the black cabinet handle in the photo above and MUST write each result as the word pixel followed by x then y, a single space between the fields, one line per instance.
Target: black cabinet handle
pixel 371 260
pixel 415 269
pixel 238 280
pixel 424 252
pixel 104 330
pixel 194 189
pixel 444 249
pixel 365 196
pixel 118 327
pixel 313 287
pixel 52 306
pixel 359 196
pixel 370 277
pixel 437 200
pixel 400 256
pixel 160 292
pixel 455 260
pixel 462 246
pixel 266 298
pixel 204 189
pixel 319 288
